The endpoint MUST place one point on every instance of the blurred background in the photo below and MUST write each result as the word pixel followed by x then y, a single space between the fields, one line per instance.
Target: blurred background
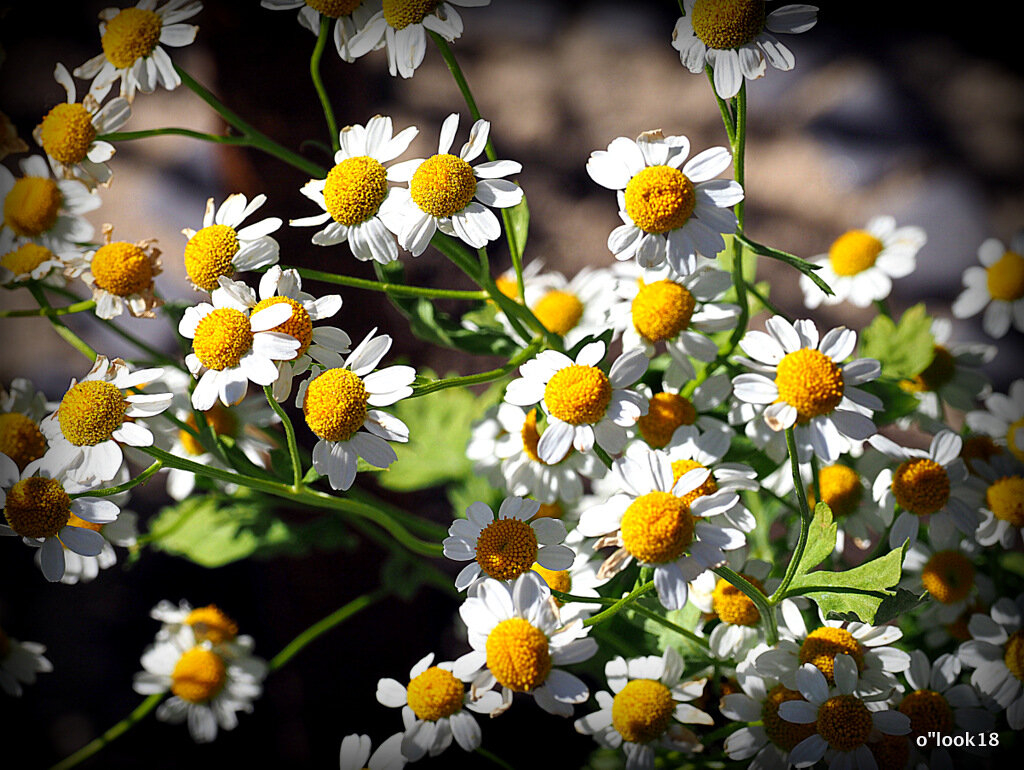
pixel 892 109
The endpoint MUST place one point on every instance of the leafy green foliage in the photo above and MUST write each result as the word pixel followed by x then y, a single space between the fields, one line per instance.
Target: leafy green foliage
pixel 903 348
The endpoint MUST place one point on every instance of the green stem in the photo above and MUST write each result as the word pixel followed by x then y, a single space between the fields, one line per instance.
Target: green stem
pixel 654 616
pixel 78 307
pixel 476 379
pixel 289 433
pixel 805 519
pixel 109 491
pixel 738 143
pixel 113 733
pixel 318 84
pixel 761 601
pixel 620 605
pixel 752 289
pixel 58 326
pixel 131 136
pixel 493 758
pixel 398 289
pixel 603 456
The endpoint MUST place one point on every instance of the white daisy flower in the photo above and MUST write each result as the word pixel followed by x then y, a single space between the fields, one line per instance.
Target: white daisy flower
pixel 208 625
pixel 355 752
pixel 434 709
pixel 580 579
pixel 771 442
pixel 647 707
pixel 667 213
pixel 97 415
pixel 584 405
pixel 119 274
pixel 1001 482
pixel 446 193
pixel 336 405
pixel 673 418
pixel 349 16
pixel 69 133
pixel 847 492
pixel 506 545
pixel 123 532
pixel 21 410
pixel 518 640
pixel 806 385
pixel 132 40
pixel 996 653
pixel 573 309
pixel 22 260
pixel 736 39
pixel 534 279
pixel 1003 419
pixel 19 663
pixel 997 284
pixel 235 343
pixel 931 483
pixel 860 264
pixel 353 192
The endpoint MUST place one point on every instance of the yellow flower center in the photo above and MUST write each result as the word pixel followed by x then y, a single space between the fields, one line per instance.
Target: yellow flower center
pixel 507 286
pixel 1014 655
pixel 578 394
pixel 549 511
pixel 208 255
pixel 336 404
pixel 891 752
pixel 823 644
pixel 1006 277
pixel 854 252
pixel 66 133
pixel 122 269
pixel 31 207
pixel 839 486
pixel 531 436
pixel 299 326
pixel 131 35
pixel 443 185
pixel 928 711
pixel 401 13
pixel 662 309
pixel 559 311
pixel 26 258
pixel 709 487
pixel 642 710
pixel 219 418
pixel 657 527
pixel 518 655
pixel 1015 438
pixel 809 381
pixel 660 198
pixel 210 624
pixel 781 732
pixel 354 190
pixel 75 521
pixel 506 548
pixel 334 8
pixel 223 336
pixel 21 439
pixel 91 411
pixel 435 694
pixel 733 606
pixel 979 448
pixel 557 580
pixel 921 486
pixel 1005 498
pixel 198 675
pixel 844 722
pixel 948 576
pixel 935 375
pixel 665 413
pixel 37 507
pixel 727 23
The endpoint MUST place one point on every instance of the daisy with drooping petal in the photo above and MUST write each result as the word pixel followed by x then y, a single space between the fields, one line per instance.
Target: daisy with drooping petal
pixel 355 753
pixel 354 191
pixel 997 284
pixel 518 640
pixel 806 385
pixel 996 653
pixel 21 410
pixel 506 545
pixel 22 261
pixel 584 405
pixel 648 706
pixel 349 16
pixel 132 52
pixel 220 248
pixel 446 193
pixel 735 38
pixel 1003 419
pixel 668 213
pixel 120 274
pixel 860 264
pixel 673 418
pixel 19 663
pixel 122 532
pixel 336 405
pixel 1001 482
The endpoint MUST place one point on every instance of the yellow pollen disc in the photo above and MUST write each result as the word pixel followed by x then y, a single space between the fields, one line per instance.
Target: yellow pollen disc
pixel 531 436
pixel 75 521
pixel 709 487
pixel 354 190
pixel 507 286
pixel 840 487
pixel 21 439
pixel 935 375
pixel 222 337
pixel 665 413
pixel 299 326
pixel 443 185
pixel 518 655
pixel 557 580
pixel 578 394
pixel 210 624
pixel 336 404
pixel 208 255
pixel 657 527
pixel 927 710
pixel 1015 444
pixel 891 752
pixel 1005 498
pixel 733 606
pixel 1014 655
pixel 91 411
pixel 1006 277
pixel 122 268
pixel 32 205
pixel 26 258
pixel 781 732
pixel 823 644
pixel 131 35
pixel 334 8
pixel 549 511
pixel 37 507
pixel 662 309
pixel 921 486
pixel 979 448
pixel 948 576
pixel 642 710
pixel 660 198
pixel 559 311
pixel 506 548
pixel 435 694
pixel 727 23
pixel 844 722
pixel 219 418
pixel 854 252
pixel 198 675
pixel 401 13
pixel 66 133
pixel 810 381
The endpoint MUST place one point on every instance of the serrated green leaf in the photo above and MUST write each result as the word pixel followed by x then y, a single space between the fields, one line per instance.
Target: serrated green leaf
pixel 904 349
pixel 821 539
pixel 892 607
pixel 856 593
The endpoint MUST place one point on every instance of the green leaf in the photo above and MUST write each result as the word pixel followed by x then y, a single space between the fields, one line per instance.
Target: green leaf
pixel 904 349
pixel 896 402
pixel 854 594
pixel 821 539
pixel 807 268
pixel 1012 561
pixel 519 221
pixel 902 602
